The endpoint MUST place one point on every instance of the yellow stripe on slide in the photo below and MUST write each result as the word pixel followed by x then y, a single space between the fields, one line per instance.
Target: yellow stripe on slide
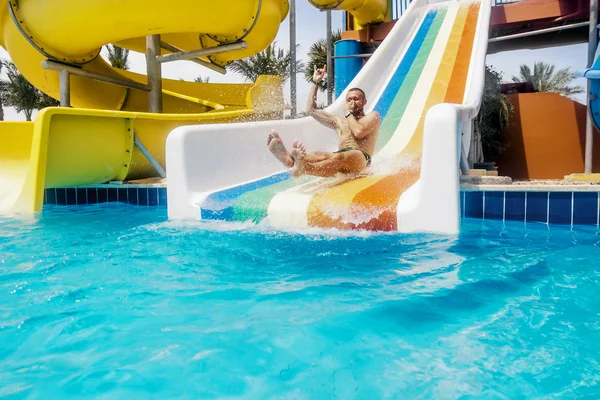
pixel 363 203
pixel 336 199
pixel 442 80
pixel 384 195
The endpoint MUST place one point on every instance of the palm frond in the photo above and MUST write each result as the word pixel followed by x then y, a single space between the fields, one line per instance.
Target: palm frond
pixel 17 92
pixel 271 61
pixel 118 56
pixel 317 54
pixel 546 78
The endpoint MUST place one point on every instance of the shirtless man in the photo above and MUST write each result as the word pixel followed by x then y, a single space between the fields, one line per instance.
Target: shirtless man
pixel 356 131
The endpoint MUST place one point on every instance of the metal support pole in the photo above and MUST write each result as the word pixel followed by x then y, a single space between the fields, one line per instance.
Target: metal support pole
pixel 592 44
pixel 329 60
pixel 84 73
pixel 293 71
pixel 538 32
pixel 186 55
pixel 161 171
pixel 589 127
pixel 65 88
pixel 198 61
pixel 154 72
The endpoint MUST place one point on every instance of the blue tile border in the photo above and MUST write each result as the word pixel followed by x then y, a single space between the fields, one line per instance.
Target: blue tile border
pixel 549 207
pixel 92 195
pixel 560 207
pixel 142 196
pixel 474 204
pixel 585 208
pixel 536 207
pixel 493 205
pixel 153 197
pixel 514 206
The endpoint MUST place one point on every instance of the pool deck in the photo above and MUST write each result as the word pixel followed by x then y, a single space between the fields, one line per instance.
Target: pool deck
pixel 506 184
pixel 468 183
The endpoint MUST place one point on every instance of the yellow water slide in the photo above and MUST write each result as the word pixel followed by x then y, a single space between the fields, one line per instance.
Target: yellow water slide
pixel 95 142
pixel 364 11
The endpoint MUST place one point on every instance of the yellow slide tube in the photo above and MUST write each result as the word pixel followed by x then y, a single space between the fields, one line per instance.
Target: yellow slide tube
pixel 364 11
pixel 94 143
pixel 75 146
pixel 73 31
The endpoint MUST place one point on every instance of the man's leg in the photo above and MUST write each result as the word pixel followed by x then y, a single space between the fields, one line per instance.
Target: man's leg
pixel 326 164
pixel 278 149
pixel 317 156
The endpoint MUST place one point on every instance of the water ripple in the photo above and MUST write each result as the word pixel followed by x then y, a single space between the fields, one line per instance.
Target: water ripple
pixel 116 301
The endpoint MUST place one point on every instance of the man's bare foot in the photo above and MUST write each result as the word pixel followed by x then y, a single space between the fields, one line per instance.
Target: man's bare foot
pixel 300 146
pixel 298 156
pixel 278 149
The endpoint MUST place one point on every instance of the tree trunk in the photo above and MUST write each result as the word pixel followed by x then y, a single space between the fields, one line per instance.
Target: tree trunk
pixel 1 112
pixel 28 115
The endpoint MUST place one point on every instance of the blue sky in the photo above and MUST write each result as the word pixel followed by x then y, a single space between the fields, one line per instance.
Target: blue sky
pixel 311 27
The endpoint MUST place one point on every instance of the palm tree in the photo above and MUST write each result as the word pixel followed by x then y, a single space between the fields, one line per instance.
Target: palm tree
pixel 546 79
pixel 46 101
pixel 494 115
pixel 200 79
pixel 317 55
pixel 271 61
pixel 17 92
pixel 118 56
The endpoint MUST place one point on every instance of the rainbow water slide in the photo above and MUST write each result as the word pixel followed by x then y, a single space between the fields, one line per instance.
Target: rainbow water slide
pixel 94 143
pixel 426 81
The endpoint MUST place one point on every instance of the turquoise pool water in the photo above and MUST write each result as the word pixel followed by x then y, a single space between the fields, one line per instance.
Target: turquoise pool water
pixel 115 301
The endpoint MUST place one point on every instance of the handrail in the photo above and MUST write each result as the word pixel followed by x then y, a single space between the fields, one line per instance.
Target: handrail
pixel 59 67
pixel 207 64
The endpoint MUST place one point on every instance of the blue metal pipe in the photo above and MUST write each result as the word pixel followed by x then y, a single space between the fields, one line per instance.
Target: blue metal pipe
pixel 346 68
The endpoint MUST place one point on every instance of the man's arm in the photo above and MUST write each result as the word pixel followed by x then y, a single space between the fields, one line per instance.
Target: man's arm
pixel 364 126
pixel 322 116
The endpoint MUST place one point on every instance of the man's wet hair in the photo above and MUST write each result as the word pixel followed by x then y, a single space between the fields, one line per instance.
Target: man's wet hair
pixel 355 89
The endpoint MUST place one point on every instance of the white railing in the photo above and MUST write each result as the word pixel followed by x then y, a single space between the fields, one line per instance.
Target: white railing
pixel 400 6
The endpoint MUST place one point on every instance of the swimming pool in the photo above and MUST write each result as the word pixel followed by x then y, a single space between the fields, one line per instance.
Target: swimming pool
pixel 113 300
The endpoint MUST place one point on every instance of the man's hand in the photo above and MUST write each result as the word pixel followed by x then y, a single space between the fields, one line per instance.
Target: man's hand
pixel 319 74
pixel 350 106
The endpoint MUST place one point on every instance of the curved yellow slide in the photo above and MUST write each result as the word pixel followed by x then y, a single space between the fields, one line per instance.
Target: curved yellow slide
pixel 94 142
pixel 365 11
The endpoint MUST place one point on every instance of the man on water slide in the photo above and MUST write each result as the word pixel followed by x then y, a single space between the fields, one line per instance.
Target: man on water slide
pixel 357 134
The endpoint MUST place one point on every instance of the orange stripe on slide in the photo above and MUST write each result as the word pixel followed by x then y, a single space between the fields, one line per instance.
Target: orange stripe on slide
pixel 374 207
pixel 456 93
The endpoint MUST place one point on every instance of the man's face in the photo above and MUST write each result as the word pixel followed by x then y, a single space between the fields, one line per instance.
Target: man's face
pixel 356 98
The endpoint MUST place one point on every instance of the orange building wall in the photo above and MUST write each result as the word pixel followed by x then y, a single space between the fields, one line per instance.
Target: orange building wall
pixel 546 138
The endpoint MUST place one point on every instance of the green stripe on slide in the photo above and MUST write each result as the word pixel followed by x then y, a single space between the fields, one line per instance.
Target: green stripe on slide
pixel 253 205
pixel 396 111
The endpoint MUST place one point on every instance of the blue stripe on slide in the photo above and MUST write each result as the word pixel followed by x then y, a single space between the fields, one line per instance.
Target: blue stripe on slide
pixel 218 202
pixel 385 101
